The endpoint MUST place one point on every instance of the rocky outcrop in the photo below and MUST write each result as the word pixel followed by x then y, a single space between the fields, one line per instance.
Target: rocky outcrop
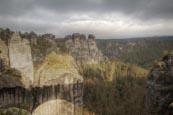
pixel 48 36
pixel 160 90
pixel 84 50
pixel 59 72
pixel 57 89
pixel 32 37
pixel 21 58
pixel 41 45
pixel 4 59
pixel 13 92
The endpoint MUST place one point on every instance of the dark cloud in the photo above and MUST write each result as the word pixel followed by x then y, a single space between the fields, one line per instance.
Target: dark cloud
pixel 140 8
pixel 45 15
pixel 15 7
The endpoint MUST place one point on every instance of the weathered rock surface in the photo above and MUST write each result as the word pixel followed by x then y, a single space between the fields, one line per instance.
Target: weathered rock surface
pixel 58 88
pixel 84 50
pixel 41 45
pixel 160 91
pixel 60 71
pixel 32 37
pixel 21 58
pixel 4 59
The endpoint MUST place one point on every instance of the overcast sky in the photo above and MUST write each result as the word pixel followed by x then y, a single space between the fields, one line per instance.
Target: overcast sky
pixel 104 18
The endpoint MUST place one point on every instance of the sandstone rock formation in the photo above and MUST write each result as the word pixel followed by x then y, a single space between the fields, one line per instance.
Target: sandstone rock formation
pixel 41 45
pixel 57 88
pixel 21 58
pixel 160 90
pixel 84 50
pixel 4 59
pixel 60 71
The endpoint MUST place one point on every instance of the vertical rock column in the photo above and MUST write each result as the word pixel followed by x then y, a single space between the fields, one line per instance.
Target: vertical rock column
pixel 21 58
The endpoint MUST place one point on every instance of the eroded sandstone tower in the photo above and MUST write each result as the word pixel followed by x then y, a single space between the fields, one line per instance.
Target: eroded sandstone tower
pixel 84 51
pixel 21 58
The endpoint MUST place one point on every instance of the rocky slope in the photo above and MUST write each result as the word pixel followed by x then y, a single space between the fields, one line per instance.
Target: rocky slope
pixel 159 97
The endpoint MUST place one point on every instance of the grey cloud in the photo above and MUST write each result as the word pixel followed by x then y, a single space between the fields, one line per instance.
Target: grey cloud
pixel 139 8
pixel 15 7
pixel 28 15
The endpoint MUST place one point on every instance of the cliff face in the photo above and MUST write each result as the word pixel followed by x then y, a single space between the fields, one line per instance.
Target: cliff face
pixel 84 50
pixel 56 90
pixel 160 90
pixel 21 58
pixel 64 84
pixel 4 60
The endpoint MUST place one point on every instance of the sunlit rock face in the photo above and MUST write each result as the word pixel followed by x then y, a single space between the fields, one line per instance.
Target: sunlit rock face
pixel 84 50
pixel 21 58
pixel 56 107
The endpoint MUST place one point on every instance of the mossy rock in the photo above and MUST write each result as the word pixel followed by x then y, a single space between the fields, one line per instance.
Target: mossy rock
pixel 55 68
